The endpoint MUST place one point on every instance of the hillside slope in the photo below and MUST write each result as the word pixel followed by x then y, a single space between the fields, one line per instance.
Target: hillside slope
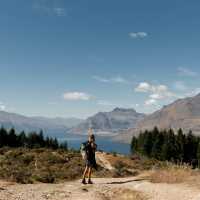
pixel 183 113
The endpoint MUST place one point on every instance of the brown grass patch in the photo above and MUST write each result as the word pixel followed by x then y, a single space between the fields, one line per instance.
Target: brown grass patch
pixel 113 159
pixel 129 166
pixel 171 174
pixel 194 180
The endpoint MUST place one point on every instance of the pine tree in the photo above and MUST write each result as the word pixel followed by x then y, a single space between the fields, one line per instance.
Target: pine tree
pixel 12 138
pixel 157 146
pixel 41 139
pixel 64 145
pixel 155 133
pixel 140 142
pixel 134 144
pixel 47 142
pixel 166 145
pixel 180 143
pixel 190 147
pixel 198 154
pixel 55 144
pixel 3 137
pixel 33 140
pixel 169 148
pixel 148 144
pixel 22 139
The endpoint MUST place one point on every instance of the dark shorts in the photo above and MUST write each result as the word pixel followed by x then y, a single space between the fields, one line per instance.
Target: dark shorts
pixel 90 163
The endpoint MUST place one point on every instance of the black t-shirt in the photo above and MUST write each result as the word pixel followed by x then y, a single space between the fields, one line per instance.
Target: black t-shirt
pixel 90 150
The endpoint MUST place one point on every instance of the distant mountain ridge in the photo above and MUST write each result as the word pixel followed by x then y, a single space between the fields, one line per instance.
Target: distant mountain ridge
pixel 28 124
pixel 110 122
pixel 183 113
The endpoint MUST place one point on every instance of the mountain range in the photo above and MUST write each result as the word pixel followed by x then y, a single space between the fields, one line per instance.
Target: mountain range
pixel 183 113
pixel 108 123
pixel 121 123
pixel 51 126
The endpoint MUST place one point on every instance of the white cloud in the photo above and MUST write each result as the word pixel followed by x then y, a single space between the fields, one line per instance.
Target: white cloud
pixel 180 85
pixel 160 88
pixel 101 79
pixel 182 71
pixel 156 92
pixel 150 102
pixel 156 96
pixel 143 87
pixel 135 35
pixel 2 106
pixel 48 7
pixel 60 12
pixel 74 96
pixel 117 79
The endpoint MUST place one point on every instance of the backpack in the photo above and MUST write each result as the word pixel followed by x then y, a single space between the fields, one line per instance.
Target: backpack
pixel 83 150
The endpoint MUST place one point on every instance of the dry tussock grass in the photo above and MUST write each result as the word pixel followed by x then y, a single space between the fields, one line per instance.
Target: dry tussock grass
pixel 138 163
pixel 171 173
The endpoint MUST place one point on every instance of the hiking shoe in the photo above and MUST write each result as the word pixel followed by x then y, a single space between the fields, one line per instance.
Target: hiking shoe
pixel 90 182
pixel 84 182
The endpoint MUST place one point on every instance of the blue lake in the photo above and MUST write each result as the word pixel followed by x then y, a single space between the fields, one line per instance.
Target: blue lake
pixel 104 143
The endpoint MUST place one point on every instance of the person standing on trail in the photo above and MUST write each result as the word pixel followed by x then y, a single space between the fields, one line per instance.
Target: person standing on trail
pixel 89 148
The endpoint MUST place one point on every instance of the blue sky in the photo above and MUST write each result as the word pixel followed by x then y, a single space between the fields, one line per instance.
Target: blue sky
pixel 77 57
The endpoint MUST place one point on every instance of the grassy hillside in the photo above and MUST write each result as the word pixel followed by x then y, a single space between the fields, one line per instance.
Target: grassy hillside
pixel 24 165
pixel 39 165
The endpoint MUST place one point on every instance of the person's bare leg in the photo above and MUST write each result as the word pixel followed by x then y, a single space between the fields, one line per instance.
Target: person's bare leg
pixel 84 175
pixel 89 175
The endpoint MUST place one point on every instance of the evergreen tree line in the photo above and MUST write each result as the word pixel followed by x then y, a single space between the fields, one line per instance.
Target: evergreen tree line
pixel 32 140
pixel 166 145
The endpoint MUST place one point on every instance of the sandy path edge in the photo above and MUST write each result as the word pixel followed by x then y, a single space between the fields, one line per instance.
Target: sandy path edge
pixel 103 187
